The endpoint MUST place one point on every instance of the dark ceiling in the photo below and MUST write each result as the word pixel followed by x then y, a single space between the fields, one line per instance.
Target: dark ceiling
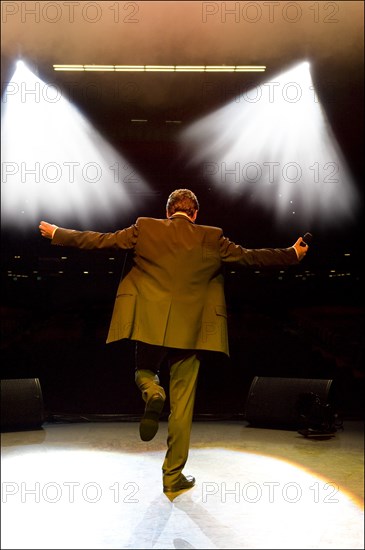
pixel 275 34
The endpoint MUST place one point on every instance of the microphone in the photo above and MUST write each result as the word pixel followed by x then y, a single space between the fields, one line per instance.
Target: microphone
pixel 307 238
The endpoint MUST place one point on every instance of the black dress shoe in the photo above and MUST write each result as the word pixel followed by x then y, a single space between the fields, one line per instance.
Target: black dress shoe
pixel 181 485
pixel 148 426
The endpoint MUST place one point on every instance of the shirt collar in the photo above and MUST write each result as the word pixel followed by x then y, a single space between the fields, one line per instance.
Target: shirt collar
pixel 181 215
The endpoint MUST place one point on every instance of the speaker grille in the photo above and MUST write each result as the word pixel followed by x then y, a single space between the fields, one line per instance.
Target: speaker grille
pixel 21 404
pixel 276 401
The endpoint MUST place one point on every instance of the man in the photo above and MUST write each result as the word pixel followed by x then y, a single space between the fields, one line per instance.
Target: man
pixel 172 305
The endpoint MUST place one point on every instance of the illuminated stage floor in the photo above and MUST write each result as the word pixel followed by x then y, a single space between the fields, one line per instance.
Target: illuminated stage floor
pixel 96 485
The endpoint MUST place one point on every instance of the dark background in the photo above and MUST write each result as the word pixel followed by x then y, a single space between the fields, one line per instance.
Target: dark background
pixel 304 323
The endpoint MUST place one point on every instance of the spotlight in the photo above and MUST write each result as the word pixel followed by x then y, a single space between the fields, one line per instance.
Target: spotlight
pixel 55 165
pixel 274 144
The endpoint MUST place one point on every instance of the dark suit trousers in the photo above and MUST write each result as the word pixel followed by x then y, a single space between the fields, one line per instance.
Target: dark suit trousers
pixel 184 368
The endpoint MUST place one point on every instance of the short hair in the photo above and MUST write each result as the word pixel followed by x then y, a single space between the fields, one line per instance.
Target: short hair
pixel 182 200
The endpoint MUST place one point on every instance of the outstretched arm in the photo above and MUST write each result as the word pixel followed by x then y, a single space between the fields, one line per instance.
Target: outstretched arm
pixel 124 238
pixel 262 257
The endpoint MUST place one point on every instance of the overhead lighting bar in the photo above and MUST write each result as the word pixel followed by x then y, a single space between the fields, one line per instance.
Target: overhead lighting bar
pixel 190 68
pixel 68 67
pixel 98 68
pixel 250 68
pixel 164 68
pixel 128 68
pixel 158 68
pixel 218 68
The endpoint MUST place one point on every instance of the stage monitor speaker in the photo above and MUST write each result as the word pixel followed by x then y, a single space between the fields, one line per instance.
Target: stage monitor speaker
pixel 283 402
pixel 21 404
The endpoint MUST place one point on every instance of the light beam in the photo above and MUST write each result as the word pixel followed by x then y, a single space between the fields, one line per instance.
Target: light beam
pixel 55 165
pixel 274 145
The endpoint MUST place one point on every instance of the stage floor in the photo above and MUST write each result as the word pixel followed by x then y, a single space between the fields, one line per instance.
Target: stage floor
pixel 97 485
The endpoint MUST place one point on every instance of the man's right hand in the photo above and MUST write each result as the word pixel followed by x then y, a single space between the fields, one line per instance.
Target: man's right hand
pixel 300 249
pixel 47 229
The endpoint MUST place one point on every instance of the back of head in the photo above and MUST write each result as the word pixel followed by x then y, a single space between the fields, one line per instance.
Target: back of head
pixel 182 200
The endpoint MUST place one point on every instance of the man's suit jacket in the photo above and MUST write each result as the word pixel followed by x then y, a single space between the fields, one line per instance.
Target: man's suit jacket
pixel 174 295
